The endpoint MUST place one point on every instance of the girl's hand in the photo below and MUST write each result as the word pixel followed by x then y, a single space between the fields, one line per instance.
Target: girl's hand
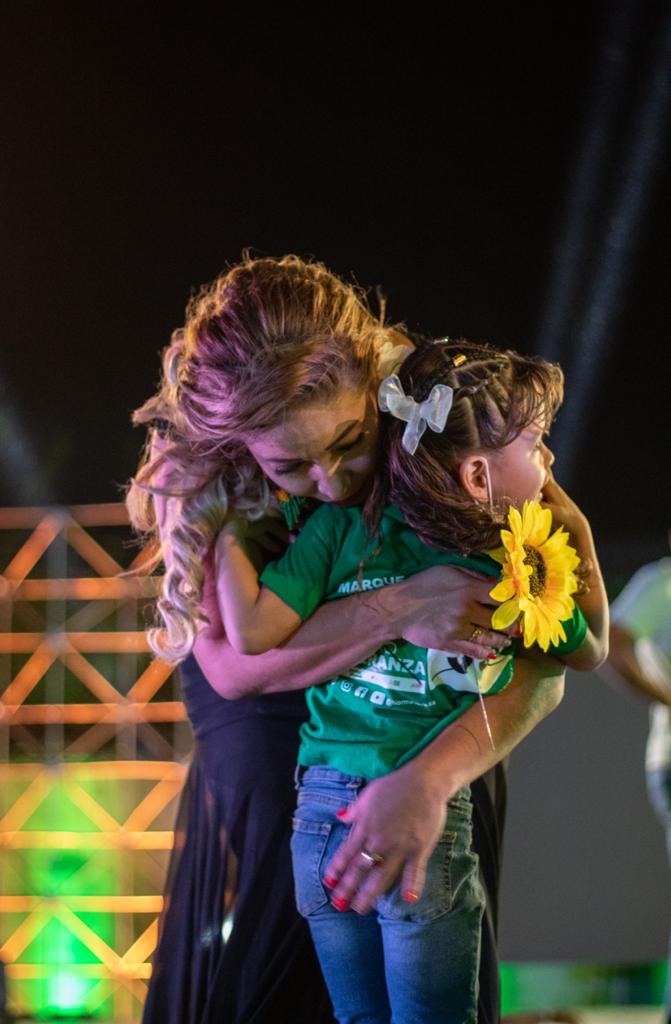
pixel 398 817
pixel 591 598
pixel 564 510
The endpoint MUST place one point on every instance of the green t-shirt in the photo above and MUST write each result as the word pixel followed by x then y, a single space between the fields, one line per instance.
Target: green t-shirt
pixel 381 713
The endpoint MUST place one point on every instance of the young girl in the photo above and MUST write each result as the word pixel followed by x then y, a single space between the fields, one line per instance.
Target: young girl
pixel 463 440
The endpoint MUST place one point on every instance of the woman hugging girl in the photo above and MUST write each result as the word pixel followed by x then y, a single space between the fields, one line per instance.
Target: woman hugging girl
pixel 461 439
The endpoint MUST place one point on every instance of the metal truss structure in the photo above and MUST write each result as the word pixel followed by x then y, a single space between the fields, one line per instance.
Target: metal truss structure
pixel 93 739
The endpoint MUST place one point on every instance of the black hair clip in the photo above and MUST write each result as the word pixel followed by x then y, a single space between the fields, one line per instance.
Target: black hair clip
pixel 450 363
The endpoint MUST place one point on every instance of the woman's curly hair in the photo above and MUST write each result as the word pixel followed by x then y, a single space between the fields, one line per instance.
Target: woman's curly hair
pixel 267 337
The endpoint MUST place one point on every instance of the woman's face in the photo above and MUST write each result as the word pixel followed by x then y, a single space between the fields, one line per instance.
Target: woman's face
pixel 324 450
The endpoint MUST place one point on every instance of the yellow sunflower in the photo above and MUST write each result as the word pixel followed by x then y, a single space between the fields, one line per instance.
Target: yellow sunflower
pixel 538 577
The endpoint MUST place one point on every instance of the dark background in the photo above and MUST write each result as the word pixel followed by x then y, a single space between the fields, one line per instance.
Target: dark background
pixel 468 158
pixel 143 150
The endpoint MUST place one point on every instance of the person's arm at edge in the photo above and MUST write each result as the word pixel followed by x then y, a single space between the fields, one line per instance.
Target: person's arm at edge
pixel 622 658
pixel 402 815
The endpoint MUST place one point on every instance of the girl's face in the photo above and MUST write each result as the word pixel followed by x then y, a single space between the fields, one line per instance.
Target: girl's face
pixel 326 450
pixel 521 469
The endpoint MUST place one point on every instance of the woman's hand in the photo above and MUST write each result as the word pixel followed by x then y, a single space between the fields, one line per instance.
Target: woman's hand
pixel 445 608
pixel 400 818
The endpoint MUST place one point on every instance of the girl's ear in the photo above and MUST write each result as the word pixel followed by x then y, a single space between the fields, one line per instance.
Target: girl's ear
pixel 473 475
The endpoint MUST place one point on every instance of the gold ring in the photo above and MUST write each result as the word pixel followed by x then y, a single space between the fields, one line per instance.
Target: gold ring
pixel 371 859
pixel 478 631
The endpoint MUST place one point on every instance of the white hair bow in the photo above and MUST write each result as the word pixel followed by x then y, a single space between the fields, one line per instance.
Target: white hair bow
pixel 432 412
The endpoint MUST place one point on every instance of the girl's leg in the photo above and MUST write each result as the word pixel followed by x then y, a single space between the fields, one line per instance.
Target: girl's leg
pixel 348 945
pixel 431 950
pixel 349 948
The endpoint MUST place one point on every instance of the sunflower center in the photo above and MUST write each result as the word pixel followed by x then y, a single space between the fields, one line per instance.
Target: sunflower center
pixel 538 576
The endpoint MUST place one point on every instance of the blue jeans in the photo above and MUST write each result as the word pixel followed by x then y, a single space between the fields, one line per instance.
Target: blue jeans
pixel 659 791
pixel 403 963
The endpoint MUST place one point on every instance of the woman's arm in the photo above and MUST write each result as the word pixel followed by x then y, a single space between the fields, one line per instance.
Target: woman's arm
pixel 593 603
pixel 437 608
pixel 402 815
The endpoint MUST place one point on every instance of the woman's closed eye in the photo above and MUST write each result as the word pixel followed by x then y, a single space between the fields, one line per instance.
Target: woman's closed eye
pixel 343 448
pixel 293 467
pixel 288 469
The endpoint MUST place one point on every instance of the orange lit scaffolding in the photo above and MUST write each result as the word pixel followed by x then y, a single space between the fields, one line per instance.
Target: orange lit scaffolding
pixel 93 741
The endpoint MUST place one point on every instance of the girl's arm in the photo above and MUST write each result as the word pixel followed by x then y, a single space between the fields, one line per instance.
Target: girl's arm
pixel 594 602
pixel 402 815
pixel 257 620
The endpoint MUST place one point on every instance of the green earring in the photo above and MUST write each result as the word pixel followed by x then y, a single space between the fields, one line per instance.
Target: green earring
pixel 291 507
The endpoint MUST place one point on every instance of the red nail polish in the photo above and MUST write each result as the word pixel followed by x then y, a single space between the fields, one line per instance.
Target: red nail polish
pixel 341 813
pixel 330 882
pixel 491 656
pixel 410 896
pixel 340 903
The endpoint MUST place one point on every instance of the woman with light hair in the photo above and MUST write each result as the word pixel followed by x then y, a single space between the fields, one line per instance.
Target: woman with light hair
pixel 267 339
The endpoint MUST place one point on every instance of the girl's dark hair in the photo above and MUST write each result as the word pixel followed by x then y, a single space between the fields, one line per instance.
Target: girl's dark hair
pixel 497 394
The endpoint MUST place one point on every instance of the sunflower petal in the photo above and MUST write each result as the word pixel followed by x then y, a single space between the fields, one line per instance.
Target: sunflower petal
pixel 538 525
pixel 506 614
pixel 498 554
pixel 508 540
pixel 515 522
pixel 503 590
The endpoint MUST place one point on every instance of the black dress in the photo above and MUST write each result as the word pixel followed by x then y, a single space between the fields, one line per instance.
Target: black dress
pixel 232 861
pixel 232 857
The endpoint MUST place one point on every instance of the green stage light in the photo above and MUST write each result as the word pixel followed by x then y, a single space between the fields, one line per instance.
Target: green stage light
pixel 66 995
